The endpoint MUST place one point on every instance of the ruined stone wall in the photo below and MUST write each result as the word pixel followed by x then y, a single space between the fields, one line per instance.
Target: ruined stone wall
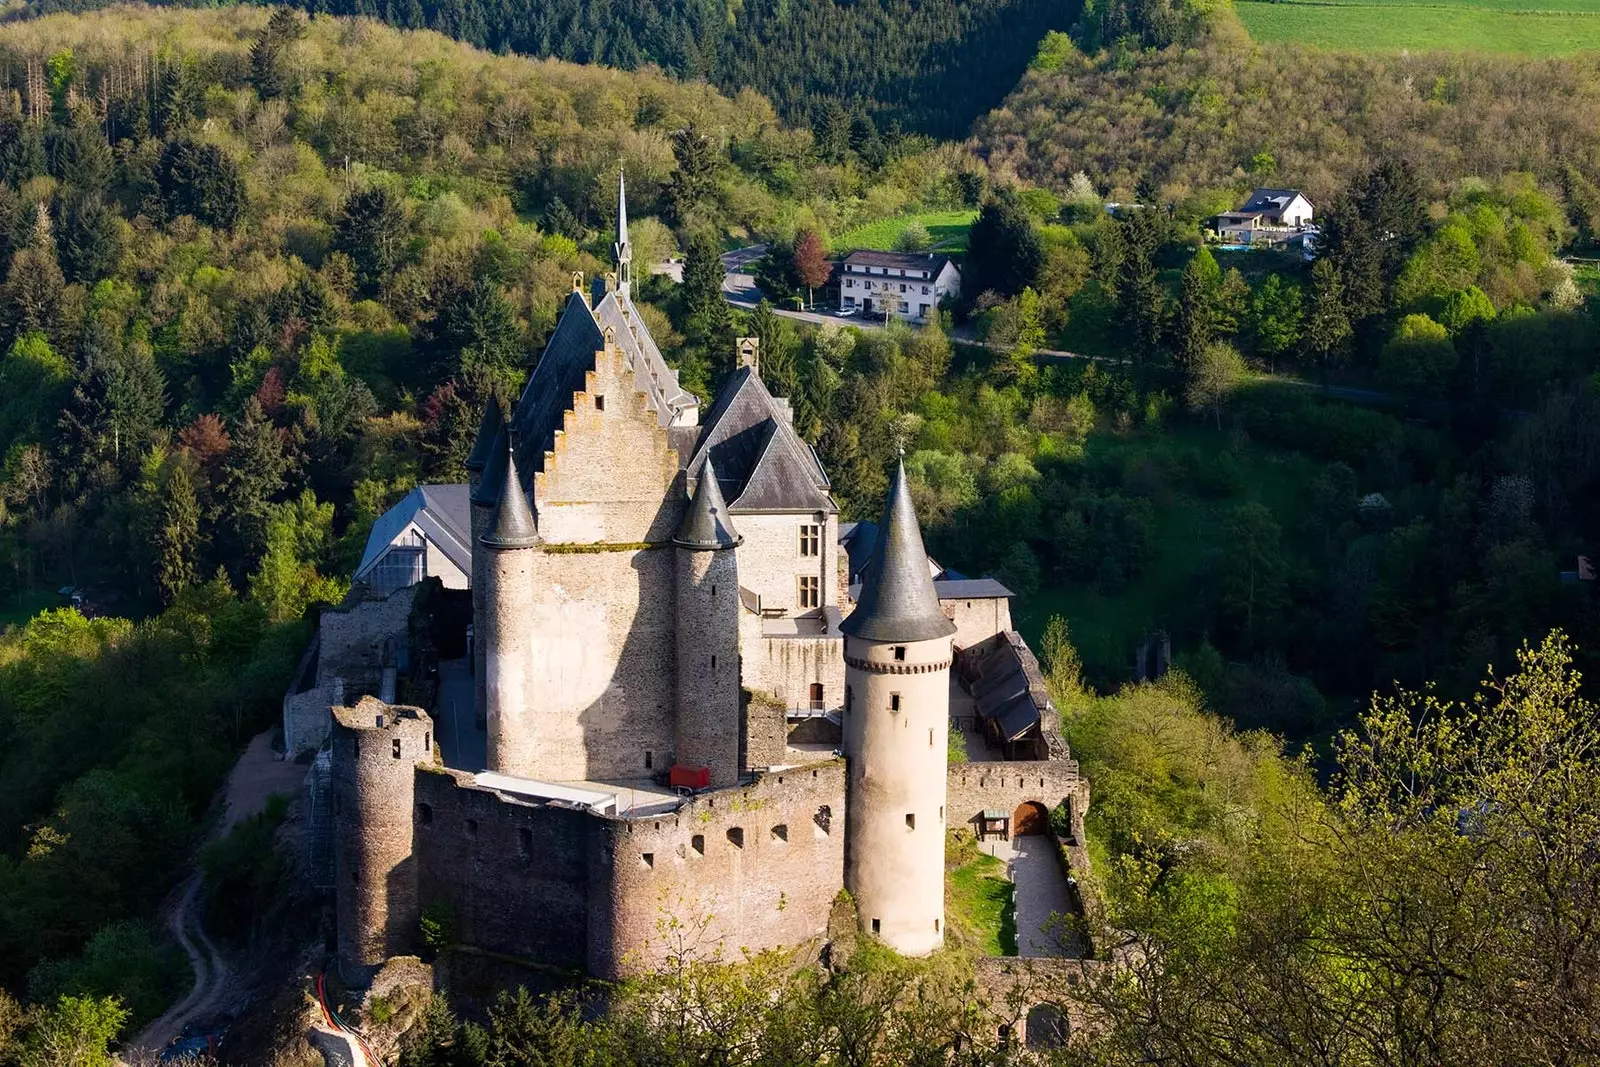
pixel 504 874
pixel 766 732
pixel 1004 786
pixel 977 619
pixel 376 749
pixel 770 563
pixel 755 867
pixel 347 664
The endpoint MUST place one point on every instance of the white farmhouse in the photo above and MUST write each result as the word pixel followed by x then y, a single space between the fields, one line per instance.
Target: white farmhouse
pixel 905 284
pixel 1270 216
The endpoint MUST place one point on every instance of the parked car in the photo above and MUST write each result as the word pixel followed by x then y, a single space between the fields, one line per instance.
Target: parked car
pixel 846 311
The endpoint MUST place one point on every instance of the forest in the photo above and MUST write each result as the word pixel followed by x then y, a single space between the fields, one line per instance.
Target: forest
pixel 261 272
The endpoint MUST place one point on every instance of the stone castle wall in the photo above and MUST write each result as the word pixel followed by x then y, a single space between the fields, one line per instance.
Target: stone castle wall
pixel 1004 786
pixel 787 666
pixel 770 563
pixel 977 619
pixel 757 867
pixel 347 663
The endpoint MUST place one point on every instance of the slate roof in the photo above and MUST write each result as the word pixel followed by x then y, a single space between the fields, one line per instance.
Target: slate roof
pixel 493 422
pixel 971 589
pixel 440 512
pixel 931 262
pixel 513 525
pixel 567 357
pixel 494 472
pixel 897 601
pixel 1269 201
pixel 761 463
pixel 706 523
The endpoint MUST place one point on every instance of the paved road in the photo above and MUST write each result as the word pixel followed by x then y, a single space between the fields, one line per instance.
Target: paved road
pixel 1041 894
pixel 462 743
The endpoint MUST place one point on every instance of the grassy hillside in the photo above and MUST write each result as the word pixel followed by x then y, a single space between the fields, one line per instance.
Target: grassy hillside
pixel 1537 28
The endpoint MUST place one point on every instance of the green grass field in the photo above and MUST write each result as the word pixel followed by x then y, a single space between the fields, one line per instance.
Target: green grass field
pixel 980 899
pixel 1524 27
pixel 947 228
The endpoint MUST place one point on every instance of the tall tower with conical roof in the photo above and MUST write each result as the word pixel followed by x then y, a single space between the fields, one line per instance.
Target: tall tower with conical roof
pixel 507 545
pixel 897 654
pixel 623 249
pixel 708 635
pixel 483 486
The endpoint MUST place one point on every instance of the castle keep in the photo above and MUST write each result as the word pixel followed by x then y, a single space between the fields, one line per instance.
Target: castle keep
pixel 688 712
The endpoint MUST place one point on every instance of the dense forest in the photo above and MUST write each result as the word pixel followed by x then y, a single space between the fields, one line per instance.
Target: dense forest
pixel 930 66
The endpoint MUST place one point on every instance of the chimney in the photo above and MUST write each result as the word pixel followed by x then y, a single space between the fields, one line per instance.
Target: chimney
pixel 749 353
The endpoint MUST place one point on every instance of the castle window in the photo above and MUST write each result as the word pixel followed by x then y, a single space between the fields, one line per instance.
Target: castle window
pixel 396 748
pixel 817 702
pixel 649 759
pixel 698 843
pixel 649 858
pixel 525 841
pixel 894 701
pixel 425 814
pixel 900 653
pixel 941 813
pixel 427 743
pixel 599 403
pixel 823 819
pixel 876 926
pixel 472 829
pixel 930 738
pixel 736 837
pixel 810 540
pixel 936 926
pixel 780 832
pixel 713 663
pixel 849 698
pixel 911 821
pixel 810 591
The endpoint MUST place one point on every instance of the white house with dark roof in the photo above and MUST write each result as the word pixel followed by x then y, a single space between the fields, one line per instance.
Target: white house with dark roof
pixel 908 285
pixel 426 535
pixel 1269 216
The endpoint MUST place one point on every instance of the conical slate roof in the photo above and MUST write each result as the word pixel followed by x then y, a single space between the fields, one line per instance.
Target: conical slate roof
pixel 707 523
pixel 493 422
pixel 897 598
pixel 494 471
pixel 512 525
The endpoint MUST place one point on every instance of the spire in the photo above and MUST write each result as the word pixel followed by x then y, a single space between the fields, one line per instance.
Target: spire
pixel 488 430
pixel 898 602
pixel 707 523
pixel 624 250
pixel 512 525
pixel 494 470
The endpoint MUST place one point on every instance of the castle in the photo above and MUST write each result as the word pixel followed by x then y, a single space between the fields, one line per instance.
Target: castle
pixel 693 720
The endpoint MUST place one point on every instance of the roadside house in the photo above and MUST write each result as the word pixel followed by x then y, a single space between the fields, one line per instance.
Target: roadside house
pixel 908 285
pixel 1269 216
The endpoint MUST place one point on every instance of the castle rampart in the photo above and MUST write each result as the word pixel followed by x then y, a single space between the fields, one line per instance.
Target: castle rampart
pixel 1004 786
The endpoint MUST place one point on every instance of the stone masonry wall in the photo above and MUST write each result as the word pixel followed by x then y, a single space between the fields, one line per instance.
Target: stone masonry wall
pixel 770 563
pixel 977 619
pixel 786 666
pixel 349 663
pixel 1003 786
pixel 511 876
pixel 755 867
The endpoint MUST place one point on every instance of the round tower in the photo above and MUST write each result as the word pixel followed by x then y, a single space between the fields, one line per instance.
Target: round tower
pixel 708 635
pixel 501 628
pixel 897 653
pixel 376 748
pixel 486 483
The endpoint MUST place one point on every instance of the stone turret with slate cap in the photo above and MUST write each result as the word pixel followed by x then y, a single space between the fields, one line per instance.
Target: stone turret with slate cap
pixel 707 524
pixel 898 602
pixel 488 430
pixel 513 525
pixel 487 495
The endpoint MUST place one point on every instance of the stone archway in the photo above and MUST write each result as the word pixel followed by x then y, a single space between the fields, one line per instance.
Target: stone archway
pixel 1046 1027
pixel 1030 818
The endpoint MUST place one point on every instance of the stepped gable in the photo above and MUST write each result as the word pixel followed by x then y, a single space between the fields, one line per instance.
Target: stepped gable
pixel 761 463
pixel 898 602
pixel 567 359
pixel 656 380
pixel 488 431
pixel 707 524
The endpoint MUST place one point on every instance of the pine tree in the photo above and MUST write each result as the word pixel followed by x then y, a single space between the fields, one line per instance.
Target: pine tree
pixel 695 179
pixel 1197 307
pixel 136 399
pixel 1004 252
pixel 252 475
pixel 1327 329
pixel 91 242
pixel 178 540
pixel 34 285
pixel 201 180
pixel 371 230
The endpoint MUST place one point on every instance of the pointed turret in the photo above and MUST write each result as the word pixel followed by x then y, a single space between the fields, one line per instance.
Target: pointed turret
pixel 513 525
pixel 488 430
pixel 487 495
pixel 623 249
pixel 898 602
pixel 707 524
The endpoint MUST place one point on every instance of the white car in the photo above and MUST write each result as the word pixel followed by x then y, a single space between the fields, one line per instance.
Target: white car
pixel 846 312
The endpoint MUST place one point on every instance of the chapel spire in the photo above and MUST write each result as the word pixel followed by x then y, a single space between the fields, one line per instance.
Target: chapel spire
pixel 623 249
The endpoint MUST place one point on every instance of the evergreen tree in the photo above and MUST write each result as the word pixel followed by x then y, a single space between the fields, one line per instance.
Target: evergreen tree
pixel 1198 309
pixel 695 179
pixel 34 284
pixel 201 180
pixel 136 399
pixel 1004 252
pixel 252 475
pixel 1141 302
pixel 1327 329
pixel 371 230
pixel 22 154
pixel 91 242
pixel 1275 318
pixel 178 540
pixel 78 154
pixel 832 132
pixel 477 328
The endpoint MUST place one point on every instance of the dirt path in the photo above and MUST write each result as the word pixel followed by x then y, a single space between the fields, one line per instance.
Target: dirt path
pixel 257 776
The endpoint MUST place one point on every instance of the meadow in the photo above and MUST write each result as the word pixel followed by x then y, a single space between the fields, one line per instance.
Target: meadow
pixel 1540 28
pixel 947 228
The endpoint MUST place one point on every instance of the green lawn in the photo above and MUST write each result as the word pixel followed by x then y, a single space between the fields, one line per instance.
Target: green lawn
pixel 1186 534
pixel 1539 27
pixel 979 899
pixel 947 228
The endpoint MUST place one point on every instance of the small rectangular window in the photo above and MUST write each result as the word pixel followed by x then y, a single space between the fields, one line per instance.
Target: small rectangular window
pixel 810 592
pixel 894 701
pixel 849 698
pixel 472 828
pixel 900 653
pixel 649 858
pixel 930 738
pixel 911 821
pixel 713 663
pixel 698 843
pixel 736 837
pixel 810 540
pixel 427 743
pixel 397 748
pixel 525 841
pixel 649 759
pixel 876 926
pixel 936 926
pixel 599 403
pixel 425 812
